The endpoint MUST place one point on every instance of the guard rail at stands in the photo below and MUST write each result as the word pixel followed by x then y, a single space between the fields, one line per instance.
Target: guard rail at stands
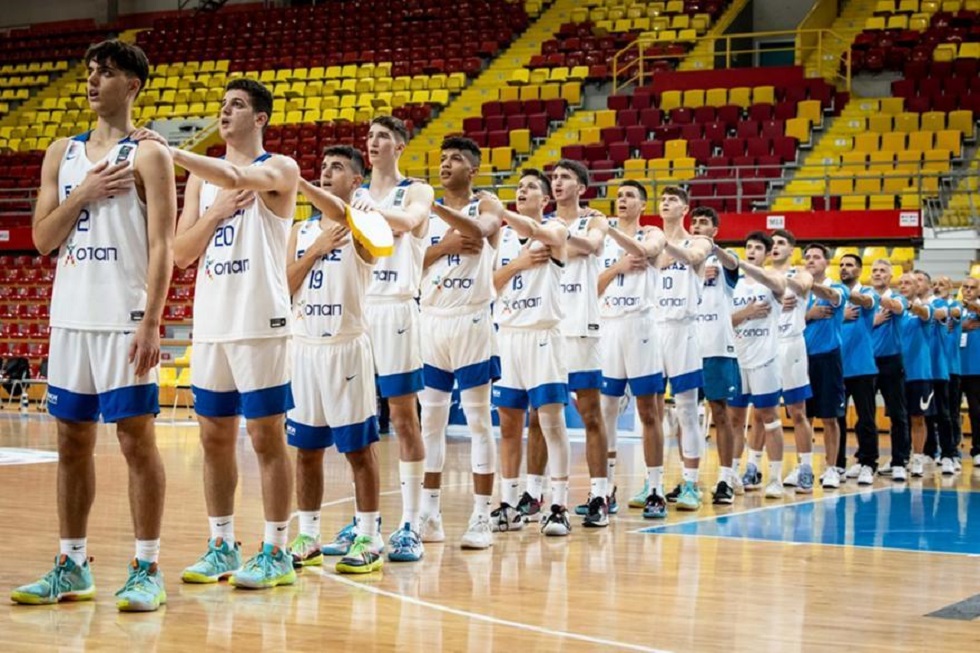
pixel 638 63
pixel 821 16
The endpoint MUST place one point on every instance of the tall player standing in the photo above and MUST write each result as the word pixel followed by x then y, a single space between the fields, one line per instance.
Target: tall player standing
pixel 916 326
pixel 113 221
pixel 530 263
pixel 236 220
pixel 392 315
pixel 459 348
pixel 332 367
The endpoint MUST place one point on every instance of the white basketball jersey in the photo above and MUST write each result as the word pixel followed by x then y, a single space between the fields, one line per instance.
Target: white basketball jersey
pixel 629 293
pixel 792 323
pixel 100 283
pixel 755 339
pixel 396 277
pixel 458 281
pixel 677 293
pixel 580 288
pixel 532 298
pixel 328 306
pixel 715 313
pixel 241 290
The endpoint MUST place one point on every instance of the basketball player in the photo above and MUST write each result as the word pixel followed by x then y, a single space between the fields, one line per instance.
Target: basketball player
pixel 392 316
pixel 824 322
pixel 886 336
pixel 917 360
pixel 236 219
pixel 680 268
pixel 970 361
pixel 530 263
pixel 332 366
pixel 629 344
pixel 939 424
pixel 722 379
pixel 459 347
pixel 112 222
pixel 580 326
pixel 952 332
pixel 757 306
pixel 860 371
pixel 794 372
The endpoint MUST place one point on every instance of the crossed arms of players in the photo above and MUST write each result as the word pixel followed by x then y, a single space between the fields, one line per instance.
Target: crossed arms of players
pixel 554 235
pixel 410 217
pixel 467 234
pixel 773 280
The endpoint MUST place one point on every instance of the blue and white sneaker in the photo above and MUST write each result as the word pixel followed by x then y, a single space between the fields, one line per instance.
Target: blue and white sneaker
pixel 655 506
pixel 405 545
pixel 270 567
pixel 804 484
pixel 222 560
pixel 752 478
pixel 143 591
pixel 67 581
pixel 690 498
pixel 341 543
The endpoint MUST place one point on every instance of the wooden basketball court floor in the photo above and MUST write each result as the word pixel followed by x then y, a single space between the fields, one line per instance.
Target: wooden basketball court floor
pixel 859 569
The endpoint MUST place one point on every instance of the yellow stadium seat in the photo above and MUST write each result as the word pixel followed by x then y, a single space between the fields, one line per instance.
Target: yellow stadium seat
pixel 558 74
pixel 867 184
pixel 841 184
pixel 510 93
pixel 501 158
pixel 867 142
pixel 933 121
pixel 551 91
pixel 520 76
pixel 693 99
pixel 944 52
pixel 854 203
pixel 676 149
pixel 658 169
pixel 885 7
pixel 969 50
pixel 853 162
pixel 894 142
pixel 903 255
pixel 439 97
pixel 520 141
pixel 897 21
pixel 578 73
pixel 764 94
pixel 919 22
pixel 670 100
pixel 589 135
pixel 892 105
pixel 949 140
pixel 920 140
pixel 908 6
pixel 907 122
pixel 420 97
pixel 635 169
pixel 740 95
pixel 880 123
pixel 875 22
pixel 893 183
pixel 683 169
pixel 716 97
pixel 605 118
pixel 799 128
pixel 572 93
pixel 854 125
pixel 961 120
pixel 908 160
pixel 539 76
pixel 881 161
pixel 936 160
pixel 455 81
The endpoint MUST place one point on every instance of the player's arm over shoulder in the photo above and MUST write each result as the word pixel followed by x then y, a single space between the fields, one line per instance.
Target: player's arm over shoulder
pixel 414 214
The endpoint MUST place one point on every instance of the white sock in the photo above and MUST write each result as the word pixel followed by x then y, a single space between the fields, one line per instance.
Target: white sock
pixel 367 523
pixel 755 458
pixel 535 485
pixel 690 475
pixel 148 550
pixel 599 487
pixel 806 459
pixel 559 492
pixel 509 491
pixel 725 474
pixel 411 474
pixel 276 533
pixel 431 501
pixel 482 504
pixel 611 470
pixel 655 479
pixel 775 470
pixel 309 523
pixel 77 550
pixel 736 463
pixel 223 527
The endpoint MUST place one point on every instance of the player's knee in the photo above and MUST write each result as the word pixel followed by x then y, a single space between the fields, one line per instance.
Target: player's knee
pixel 648 414
pixel 309 458
pixel 591 416
pixel 362 459
pixel 135 446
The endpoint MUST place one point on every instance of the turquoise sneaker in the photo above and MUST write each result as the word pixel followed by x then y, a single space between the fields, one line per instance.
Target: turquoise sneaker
pixel 639 499
pixel 363 558
pixel 690 497
pixel 405 545
pixel 143 591
pixel 67 581
pixel 270 567
pixel 305 551
pixel 341 543
pixel 222 560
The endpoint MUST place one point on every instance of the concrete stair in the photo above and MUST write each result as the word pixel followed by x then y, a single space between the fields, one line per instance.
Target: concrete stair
pixel 849 24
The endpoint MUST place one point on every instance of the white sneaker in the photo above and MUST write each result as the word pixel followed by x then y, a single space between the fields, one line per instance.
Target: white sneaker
pixel 774 490
pixel 976 460
pixel 477 535
pixel 556 524
pixel 430 528
pixel 899 475
pixel 917 471
pixel 793 479
pixel 830 479
pixel 866 476
pixel 885 470
pixel 947 467
pixel 739 488
pixel 852 472
pixel 957 465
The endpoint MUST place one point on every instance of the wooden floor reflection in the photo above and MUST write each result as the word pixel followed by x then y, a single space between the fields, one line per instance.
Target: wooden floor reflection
pixel 613 589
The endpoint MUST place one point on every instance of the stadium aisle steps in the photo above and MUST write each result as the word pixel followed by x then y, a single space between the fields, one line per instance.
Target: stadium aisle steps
pixel 848 24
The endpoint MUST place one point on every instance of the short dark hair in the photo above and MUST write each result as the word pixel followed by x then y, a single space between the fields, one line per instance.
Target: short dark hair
pixel 923 273
pixel 706 212
pixel 785 233
pixel 823 249
pixel 857 259
pixel 350 153
pixel 760 237
pixel 540 176
pixel 126 57
pixel 576 167
pixel 632 183
pixel 394 125
pixel 465 145
pixel 258 94
pixel 676 191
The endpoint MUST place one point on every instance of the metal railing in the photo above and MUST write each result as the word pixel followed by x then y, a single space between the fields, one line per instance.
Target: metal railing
pixel 637 62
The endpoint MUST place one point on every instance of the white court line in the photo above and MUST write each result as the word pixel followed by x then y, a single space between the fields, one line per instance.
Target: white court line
pixel 486 618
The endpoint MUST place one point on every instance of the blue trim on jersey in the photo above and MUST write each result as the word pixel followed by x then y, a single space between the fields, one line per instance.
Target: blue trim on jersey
pixel 687 381
pixel 722 379
pixel 495 368
pixel 347 439
pixel 401 184
pixel 72 406
pixel 254 404
pixel 585 380
pixel 502 397
pixel 769 400
pixel 731 276
pixel 83 137
pixel 262 157
pixel 131 401
pixel 401 383
pixel 796 395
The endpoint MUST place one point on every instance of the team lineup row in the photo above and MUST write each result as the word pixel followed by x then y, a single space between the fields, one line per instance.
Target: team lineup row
pixel 296 326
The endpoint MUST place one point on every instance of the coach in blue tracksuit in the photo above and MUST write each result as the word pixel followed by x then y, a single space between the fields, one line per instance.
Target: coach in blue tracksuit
pixel 888 358
pixel 969 347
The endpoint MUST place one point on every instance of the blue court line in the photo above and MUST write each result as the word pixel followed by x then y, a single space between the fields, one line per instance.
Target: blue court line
pixel 899 518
